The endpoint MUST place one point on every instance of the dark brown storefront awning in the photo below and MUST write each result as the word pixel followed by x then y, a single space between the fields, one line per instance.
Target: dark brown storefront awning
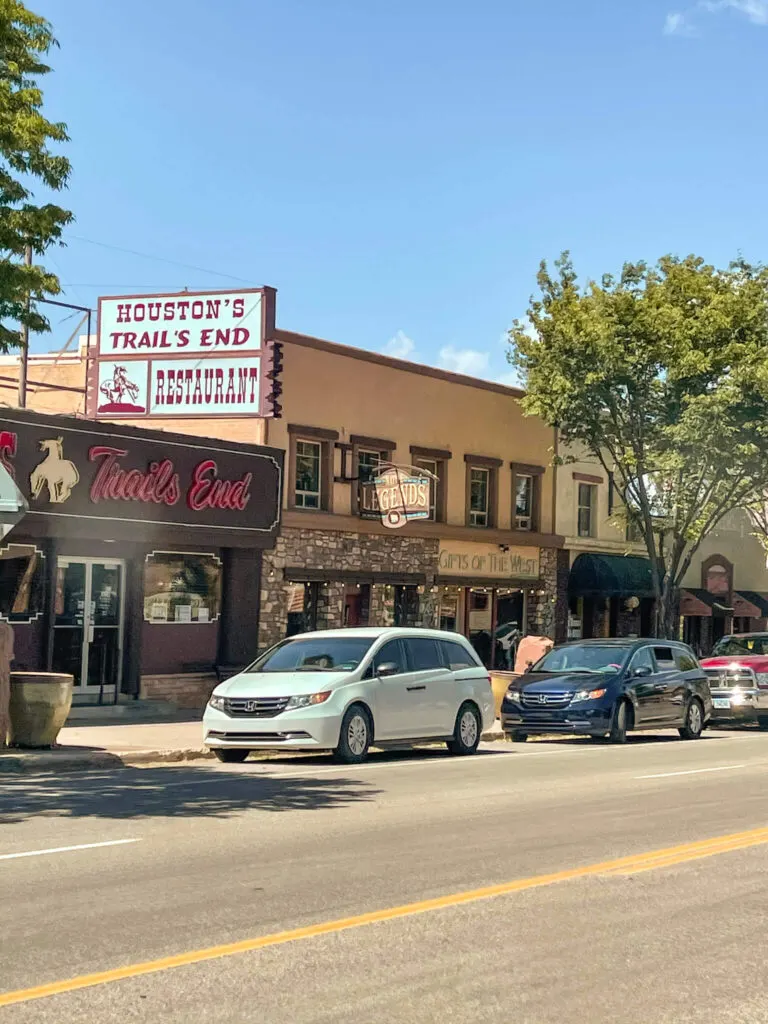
pixel 700 603
pixel 750 604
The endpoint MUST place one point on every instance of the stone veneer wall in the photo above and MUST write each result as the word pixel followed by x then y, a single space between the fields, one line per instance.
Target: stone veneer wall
pixel 547 611
pixel 351 552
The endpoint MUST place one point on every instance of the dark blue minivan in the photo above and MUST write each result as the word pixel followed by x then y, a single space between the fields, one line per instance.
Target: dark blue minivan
pixel 609 688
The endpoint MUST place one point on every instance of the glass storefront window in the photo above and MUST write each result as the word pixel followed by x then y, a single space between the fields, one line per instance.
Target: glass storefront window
pixel 302 607
pixel 182 587
pixel 21 583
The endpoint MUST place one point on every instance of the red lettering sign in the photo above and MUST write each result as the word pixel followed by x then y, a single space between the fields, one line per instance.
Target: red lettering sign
pixel 159 484
pixel 207 491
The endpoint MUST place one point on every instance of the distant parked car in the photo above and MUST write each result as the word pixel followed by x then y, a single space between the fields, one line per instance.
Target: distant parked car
pixel 344 689
pixel 738 678
pixel 610 688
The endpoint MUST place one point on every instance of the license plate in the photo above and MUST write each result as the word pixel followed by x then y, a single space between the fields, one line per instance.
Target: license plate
pixel 721 702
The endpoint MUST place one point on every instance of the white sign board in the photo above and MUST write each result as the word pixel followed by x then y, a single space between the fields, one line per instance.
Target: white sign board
pixel 188 354
pixel 180 324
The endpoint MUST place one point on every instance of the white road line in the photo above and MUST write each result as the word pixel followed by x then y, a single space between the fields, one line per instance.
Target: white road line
pixel 67 849
pixel 693 771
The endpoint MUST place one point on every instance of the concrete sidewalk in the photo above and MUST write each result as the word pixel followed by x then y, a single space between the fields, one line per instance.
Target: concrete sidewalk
pixel 125 744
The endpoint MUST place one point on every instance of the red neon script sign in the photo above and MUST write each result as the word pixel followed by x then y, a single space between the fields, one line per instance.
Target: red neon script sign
pixel 208 491
pixel 159 484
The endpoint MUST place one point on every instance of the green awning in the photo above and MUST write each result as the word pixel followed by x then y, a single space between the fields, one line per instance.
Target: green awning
pixel 610 576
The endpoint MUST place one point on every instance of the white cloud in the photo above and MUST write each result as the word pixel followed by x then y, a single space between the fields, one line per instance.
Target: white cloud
pixel 400 346
pixel 464 360
pixel 679 23
pixel 755 11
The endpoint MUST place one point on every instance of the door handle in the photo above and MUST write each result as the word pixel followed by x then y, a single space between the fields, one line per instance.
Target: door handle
pixel 411 689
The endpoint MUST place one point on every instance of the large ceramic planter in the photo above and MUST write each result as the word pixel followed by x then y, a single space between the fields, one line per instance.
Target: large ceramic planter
pixel 40 703
pixel 500 684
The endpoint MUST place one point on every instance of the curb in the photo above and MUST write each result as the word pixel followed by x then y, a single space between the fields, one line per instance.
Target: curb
pixel 51 761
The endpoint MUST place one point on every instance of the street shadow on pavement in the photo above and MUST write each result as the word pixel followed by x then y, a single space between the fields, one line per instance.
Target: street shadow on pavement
pixel 171 793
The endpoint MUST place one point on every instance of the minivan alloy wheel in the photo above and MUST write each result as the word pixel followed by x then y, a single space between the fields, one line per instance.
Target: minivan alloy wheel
pixel 468 728
pixel 357 734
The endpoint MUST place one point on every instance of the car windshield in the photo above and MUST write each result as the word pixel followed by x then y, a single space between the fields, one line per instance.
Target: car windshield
pixel 315 654
pixel 582 658
pixel 740 645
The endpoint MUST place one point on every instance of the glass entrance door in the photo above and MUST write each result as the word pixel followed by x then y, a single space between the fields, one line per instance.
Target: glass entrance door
pixel 88 624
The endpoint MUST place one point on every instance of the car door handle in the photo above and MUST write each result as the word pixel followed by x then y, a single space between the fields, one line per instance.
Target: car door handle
pixel 659 688
pixel 411 689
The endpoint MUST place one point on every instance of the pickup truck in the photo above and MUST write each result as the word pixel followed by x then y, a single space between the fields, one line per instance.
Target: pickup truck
pixel 737 671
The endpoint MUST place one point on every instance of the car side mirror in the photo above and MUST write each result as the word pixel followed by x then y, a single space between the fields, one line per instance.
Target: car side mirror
pixel 643 670
pixel 389 668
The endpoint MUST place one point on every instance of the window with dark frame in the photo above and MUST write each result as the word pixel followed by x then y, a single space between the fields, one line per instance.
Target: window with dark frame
pixel 368 463
pixel 432 466
pixel 308 456
pixel 524 501
pixel 21 583
pixel 586 509
pixel 479 496
pixel 182 587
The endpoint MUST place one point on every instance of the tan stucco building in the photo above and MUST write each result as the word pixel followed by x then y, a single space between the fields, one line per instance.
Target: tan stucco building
pixel 486 558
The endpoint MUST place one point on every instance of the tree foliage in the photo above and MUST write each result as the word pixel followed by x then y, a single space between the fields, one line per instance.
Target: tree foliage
pixel 26 160
pixel 662 375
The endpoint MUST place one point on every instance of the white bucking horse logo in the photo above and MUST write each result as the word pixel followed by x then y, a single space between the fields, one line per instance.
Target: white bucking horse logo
pixel 57 473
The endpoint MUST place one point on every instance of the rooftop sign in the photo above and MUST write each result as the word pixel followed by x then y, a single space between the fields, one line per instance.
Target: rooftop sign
pixel 188 354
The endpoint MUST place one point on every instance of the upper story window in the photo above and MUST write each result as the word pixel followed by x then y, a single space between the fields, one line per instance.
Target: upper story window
pixel 524 502
pixel 310 468
pixel 309 458
pixel 432 466
pixel 482 489
pixel 434 461
pixel 586 509
pixel 526 496
pixel 368 463
pixel 479 496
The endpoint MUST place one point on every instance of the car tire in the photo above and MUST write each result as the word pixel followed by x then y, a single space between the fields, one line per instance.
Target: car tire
pixel 619 723
pixel 354 736
pixel 694 721
pixel 467 732
pixel 231 756
pixel 762 722
pixel 518 736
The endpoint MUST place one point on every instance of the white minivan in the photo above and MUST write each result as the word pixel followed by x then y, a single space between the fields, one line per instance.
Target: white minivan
pixel 344 689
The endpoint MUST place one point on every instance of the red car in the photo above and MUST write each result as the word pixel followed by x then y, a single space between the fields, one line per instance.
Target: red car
pixel 737 671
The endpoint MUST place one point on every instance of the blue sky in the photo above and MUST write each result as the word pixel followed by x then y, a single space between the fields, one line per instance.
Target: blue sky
pixel 397 168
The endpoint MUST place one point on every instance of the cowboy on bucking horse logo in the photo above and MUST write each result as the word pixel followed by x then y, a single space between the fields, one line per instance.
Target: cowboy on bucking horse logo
pixel 57 473
pixel 116 389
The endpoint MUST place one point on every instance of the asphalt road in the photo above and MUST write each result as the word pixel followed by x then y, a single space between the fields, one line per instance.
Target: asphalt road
pixel 202 857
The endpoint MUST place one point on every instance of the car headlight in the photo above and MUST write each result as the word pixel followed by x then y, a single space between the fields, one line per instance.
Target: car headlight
pixel 762 678
pixel 513 694
pixel 217 702
pixel 307 700
pixel 588 695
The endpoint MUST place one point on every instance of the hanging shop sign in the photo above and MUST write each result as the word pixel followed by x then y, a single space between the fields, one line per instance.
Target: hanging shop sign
pixel 396 496
pixel 458 558
pixel 72 473
pixel 191 354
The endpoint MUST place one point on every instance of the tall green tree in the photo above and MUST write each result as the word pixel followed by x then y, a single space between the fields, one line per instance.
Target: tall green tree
pixel 26 162
pixel 662 375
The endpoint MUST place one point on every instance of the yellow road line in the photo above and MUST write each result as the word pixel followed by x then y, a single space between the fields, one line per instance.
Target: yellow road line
pixel 621 866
